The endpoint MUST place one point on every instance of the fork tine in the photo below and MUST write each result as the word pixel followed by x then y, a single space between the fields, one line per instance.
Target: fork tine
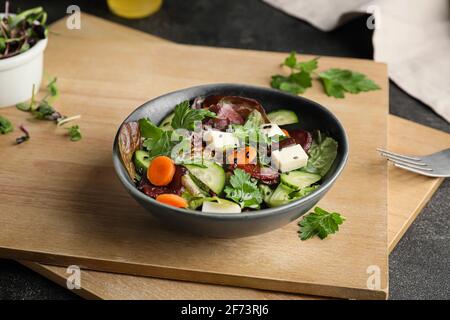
pixel 391 157
pixel 410 166
pixel 398 155
pixel 419 171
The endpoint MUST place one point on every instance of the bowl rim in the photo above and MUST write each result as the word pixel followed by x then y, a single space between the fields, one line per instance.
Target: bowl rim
pixel 131 188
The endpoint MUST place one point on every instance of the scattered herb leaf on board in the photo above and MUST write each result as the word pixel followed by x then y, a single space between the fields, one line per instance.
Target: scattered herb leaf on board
pixel 338 81
pixel 74 133
pixel 300 77
pixel 321 223
pixel 335 81
pixel 5 125
pixel 43 110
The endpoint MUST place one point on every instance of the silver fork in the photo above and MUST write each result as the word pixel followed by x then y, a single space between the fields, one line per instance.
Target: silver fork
pixel 433 165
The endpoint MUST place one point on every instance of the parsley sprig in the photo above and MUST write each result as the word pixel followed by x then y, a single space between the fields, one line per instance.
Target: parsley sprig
pixel 244 190
pixel 185 117
pixel 300 77
pixel 338 81
pixel 321 223
pixel 335 81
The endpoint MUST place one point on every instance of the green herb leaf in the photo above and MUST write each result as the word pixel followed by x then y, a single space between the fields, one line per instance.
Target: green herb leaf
pixel 291 60
pixel 5 125
pixel 185 117
pixel 149 130
pixel 243 190
pixel 52 89
pixel 74 133
pixel 308 66
pixel 300 78
pixel 321 223
pixel 44 111
pixel 338 81
pixel 322 153
pixel 161 146
pixel 23 106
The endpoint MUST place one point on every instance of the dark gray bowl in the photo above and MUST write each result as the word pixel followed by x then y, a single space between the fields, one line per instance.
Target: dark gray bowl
pixel 312 116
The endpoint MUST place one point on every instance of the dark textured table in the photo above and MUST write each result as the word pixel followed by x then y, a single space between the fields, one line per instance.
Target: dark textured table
pixel 420 264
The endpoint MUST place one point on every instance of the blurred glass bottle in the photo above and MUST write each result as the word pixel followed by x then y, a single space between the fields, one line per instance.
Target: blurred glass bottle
pixel 134 9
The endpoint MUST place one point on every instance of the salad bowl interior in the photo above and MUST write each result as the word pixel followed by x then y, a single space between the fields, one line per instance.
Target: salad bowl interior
pixel 311 117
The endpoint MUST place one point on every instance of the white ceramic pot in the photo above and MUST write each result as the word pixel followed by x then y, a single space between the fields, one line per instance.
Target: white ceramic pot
pixel 19 73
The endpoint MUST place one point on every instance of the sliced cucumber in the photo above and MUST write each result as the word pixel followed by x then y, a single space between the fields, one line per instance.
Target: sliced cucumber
pixel 280 196
pixel 266 192
pixel 213 176
pixel 192 187
pixel 166 124
pixel 282 117
pixel 141 160
pixel 298 179
pixel 221 206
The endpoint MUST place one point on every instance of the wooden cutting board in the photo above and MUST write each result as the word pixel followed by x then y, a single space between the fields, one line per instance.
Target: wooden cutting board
pixel 62 204
pixel 407 195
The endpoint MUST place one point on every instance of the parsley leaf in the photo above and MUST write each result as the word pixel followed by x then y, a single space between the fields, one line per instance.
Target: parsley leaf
pixel 5 125
pixel 300 78
pixel 149 130
pixel 161 146
pixel 321 223
pixel 338 81
pixel 74 133
pixel 243 190
pixel 185 117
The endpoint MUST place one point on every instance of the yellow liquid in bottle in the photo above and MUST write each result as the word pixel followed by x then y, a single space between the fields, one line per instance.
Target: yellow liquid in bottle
pixel 134 9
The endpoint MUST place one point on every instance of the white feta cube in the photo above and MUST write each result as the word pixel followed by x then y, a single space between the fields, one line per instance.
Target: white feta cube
pixel 272 129
pixel 289 158
pixel 220 140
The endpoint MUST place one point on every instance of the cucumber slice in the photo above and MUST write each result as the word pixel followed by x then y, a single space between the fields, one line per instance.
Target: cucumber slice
pixel 192 187
pixel 298 179
pixel 221 206
pixel 266 192
pixel 141 160
pixel 166 124
pixel 280 196
pixel 282 117
pixel 213 176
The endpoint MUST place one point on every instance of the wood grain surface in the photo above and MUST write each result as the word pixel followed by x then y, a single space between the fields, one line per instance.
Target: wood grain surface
pixel 407 195
pixel 62 204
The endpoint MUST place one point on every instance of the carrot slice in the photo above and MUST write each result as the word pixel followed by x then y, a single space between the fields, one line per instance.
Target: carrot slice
pixel 286 133
pixel 172 200
pixel 161 171
pixel 243 156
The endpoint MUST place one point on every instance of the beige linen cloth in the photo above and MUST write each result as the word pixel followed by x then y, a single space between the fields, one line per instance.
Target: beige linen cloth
pixel 411 36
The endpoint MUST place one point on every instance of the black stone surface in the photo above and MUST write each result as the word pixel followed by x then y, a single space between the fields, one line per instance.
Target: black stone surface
pixel 419 265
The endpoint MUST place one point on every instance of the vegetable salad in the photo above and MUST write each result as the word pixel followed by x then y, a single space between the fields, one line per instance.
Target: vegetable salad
pixel 225 154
